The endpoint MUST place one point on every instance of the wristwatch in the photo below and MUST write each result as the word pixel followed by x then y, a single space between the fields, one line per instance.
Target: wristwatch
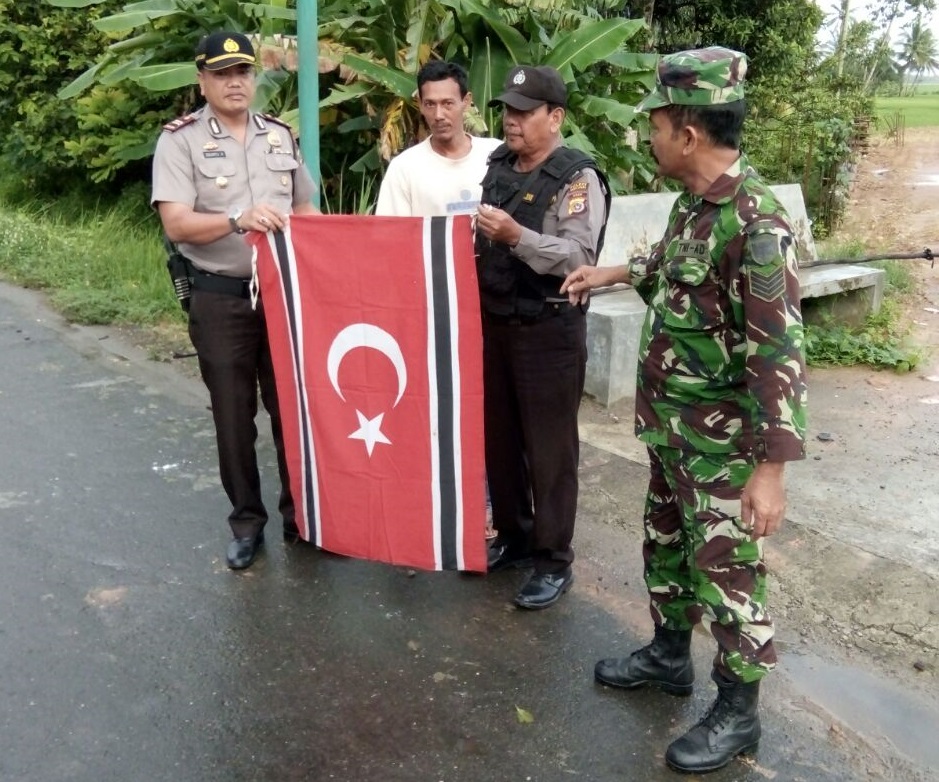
pixel 233 217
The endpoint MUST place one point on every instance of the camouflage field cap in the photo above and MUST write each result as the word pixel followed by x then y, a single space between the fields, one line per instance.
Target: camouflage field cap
pixel 698 77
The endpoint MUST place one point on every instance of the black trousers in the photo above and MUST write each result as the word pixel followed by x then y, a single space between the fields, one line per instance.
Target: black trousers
pixel 231 341
pixel 533 379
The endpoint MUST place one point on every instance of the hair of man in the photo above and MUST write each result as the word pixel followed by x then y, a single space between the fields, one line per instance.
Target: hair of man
pixel 438 70
pixel 722 124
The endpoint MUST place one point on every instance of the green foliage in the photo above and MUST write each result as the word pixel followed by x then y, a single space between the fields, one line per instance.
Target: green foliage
pixel 879 343
pixel 383 44
pixel 900 279
pixel 100 264
pixel 40 50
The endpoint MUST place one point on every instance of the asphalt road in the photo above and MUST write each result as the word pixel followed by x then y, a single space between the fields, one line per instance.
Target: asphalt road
pixel 130 652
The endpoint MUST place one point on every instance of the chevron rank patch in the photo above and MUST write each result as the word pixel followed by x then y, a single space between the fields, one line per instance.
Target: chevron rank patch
pixel 767 282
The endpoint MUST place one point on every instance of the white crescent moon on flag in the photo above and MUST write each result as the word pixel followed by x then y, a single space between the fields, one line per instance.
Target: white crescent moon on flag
pixel 365 335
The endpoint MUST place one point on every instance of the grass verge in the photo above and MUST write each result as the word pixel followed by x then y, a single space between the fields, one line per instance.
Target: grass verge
pixel 99 265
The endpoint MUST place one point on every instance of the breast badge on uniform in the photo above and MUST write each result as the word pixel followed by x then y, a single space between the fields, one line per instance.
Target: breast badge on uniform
pixel 273 138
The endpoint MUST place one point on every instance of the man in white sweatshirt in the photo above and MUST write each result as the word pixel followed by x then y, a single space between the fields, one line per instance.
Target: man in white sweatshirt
pixel 443 174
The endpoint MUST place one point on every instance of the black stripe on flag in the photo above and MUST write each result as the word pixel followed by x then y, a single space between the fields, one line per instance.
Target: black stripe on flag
pixel 283 261
pixel 443 340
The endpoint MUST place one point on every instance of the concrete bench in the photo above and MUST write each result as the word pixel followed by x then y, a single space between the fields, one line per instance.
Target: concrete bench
pixel 847 293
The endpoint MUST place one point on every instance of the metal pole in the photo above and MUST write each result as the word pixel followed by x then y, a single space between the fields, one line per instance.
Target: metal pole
pixel 309 81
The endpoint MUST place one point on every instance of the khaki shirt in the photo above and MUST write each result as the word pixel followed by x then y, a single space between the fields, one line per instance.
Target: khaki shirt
pixel 200 164
pixel 571 229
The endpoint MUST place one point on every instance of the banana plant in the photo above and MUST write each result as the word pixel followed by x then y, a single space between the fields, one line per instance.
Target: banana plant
pixel 604 79
pixel 156 39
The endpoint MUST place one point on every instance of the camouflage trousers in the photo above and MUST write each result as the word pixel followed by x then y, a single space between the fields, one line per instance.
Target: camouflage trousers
pixel 700 563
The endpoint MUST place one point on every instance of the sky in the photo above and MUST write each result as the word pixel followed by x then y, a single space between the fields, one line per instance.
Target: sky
pixel 860 9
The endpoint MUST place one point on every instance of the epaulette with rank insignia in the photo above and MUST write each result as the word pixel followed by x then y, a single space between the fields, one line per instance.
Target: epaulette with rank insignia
pixel 180 122
pixel 278 121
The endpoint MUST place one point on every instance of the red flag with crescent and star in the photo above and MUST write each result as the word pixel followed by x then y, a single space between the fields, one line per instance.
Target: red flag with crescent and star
pixel 377 348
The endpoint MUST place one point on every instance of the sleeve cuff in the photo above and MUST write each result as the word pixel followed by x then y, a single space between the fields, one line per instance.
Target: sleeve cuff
pixel 779 447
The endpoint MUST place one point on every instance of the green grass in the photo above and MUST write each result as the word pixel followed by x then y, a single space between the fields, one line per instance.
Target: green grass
pixel 881 342
pixel 99 264
pixel 918 111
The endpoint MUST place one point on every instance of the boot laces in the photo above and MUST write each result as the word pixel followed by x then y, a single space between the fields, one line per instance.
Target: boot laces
pixel 719 714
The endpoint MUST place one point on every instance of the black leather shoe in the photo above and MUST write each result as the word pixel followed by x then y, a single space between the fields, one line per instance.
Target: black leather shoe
pixel 292 534
pixel 544 589
pixel 243 551
pixel 503 556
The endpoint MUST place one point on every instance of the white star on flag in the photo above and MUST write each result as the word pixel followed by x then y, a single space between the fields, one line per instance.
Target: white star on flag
pixel 369 431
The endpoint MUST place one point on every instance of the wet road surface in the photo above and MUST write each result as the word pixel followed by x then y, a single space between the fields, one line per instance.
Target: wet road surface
pixel 130 652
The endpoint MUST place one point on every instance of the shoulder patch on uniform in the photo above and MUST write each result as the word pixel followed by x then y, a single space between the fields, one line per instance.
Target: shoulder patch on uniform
pixel 767 241
pixel 180 122
pixel 764 247
pixel 577 204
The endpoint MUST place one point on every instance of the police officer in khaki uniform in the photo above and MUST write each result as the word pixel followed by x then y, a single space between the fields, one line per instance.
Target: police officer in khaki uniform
pixel 218 173
pixel 543 212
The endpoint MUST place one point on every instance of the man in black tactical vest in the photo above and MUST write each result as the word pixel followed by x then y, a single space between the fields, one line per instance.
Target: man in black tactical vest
pixel 543 213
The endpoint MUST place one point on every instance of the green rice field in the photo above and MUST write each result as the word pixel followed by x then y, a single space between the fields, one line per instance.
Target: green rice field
pixel 918 111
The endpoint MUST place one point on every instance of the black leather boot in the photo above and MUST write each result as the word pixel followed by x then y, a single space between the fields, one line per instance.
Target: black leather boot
pixel 731 727
pixel 664 663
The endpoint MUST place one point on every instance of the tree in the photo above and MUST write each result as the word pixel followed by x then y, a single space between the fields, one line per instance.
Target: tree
pixel 41 50
pixel 919 52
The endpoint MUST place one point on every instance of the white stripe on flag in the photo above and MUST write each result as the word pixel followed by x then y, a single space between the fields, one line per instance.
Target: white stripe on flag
pixel 298 354
pixel 432 396
pixel 457 396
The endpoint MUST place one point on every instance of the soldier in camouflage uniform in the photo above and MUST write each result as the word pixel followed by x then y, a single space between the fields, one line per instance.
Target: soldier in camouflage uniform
pixel 720 402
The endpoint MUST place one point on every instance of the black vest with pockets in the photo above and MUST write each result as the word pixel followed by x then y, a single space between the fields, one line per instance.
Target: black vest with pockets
pixel 509 286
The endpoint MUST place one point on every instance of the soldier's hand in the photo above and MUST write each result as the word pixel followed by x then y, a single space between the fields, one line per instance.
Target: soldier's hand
pixel 497 225
pixel 763 500
pixel 578 284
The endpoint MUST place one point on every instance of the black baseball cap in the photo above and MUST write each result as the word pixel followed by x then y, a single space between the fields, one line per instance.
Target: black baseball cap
pixel 222 50
pixel 529 86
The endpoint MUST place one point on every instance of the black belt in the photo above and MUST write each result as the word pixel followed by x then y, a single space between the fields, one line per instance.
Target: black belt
pixel 551 310
pixel 219 283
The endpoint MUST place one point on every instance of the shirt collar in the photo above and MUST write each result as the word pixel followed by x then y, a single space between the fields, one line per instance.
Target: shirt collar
pixel 256 123
pixel 725 188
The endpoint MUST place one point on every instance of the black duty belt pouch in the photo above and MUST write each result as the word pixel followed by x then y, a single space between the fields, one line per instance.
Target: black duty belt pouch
pixel 180 273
